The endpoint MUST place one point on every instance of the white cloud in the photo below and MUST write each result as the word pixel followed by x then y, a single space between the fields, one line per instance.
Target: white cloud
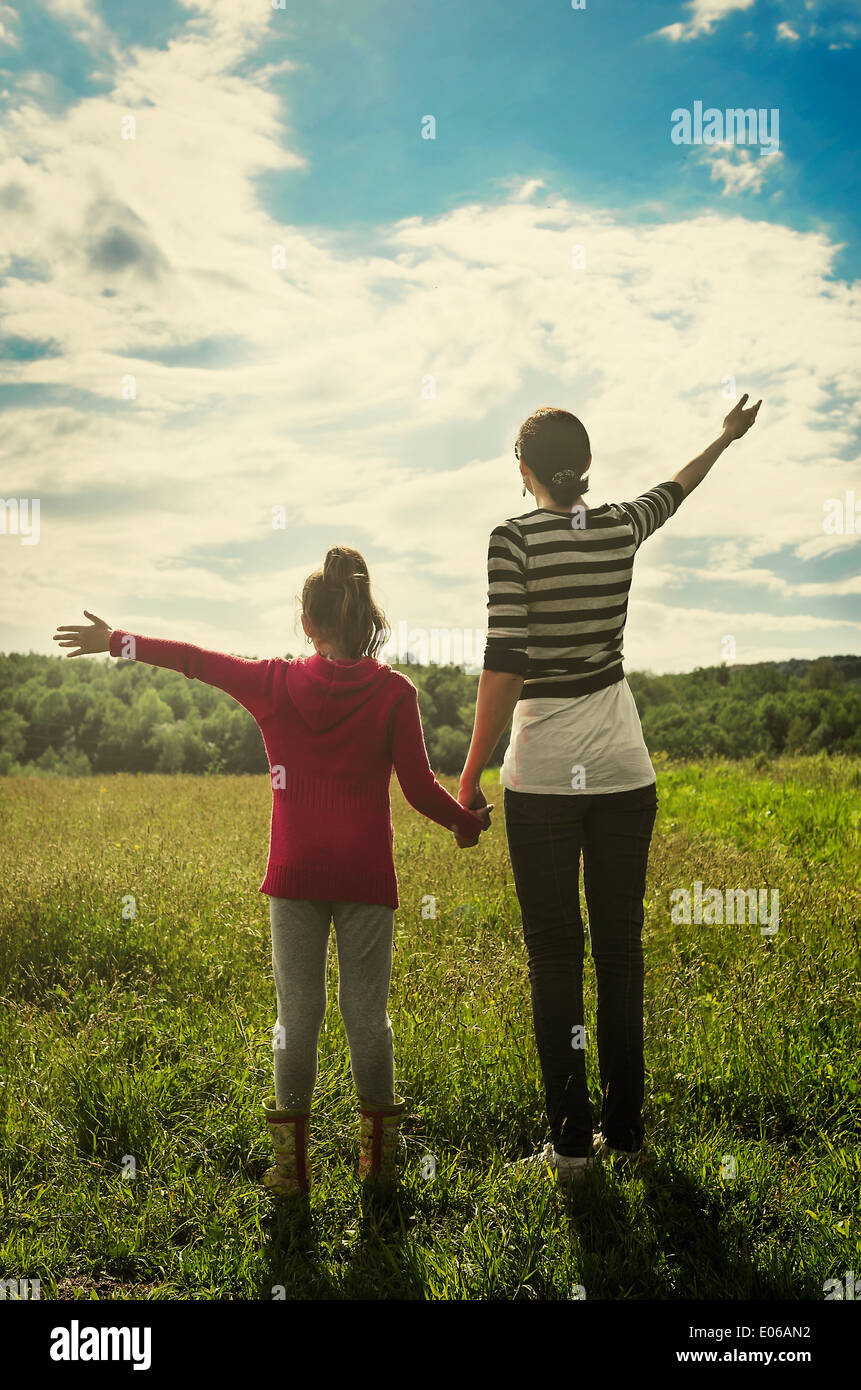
pixel 8 20
pixel 523 191
pixel 323 409
pixel 677 576
pixel 82 19
pixel 739 170
pixel 848 37
pixel 786 31
pixel 694 635
pixel 703 16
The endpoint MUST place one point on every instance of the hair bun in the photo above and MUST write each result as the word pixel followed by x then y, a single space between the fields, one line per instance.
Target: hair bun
pixel 341 566
pixel 562 477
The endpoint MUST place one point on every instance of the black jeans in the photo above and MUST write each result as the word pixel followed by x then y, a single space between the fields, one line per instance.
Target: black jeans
pixel 546 835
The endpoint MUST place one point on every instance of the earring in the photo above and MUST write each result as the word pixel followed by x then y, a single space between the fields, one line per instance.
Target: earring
pixel 524 489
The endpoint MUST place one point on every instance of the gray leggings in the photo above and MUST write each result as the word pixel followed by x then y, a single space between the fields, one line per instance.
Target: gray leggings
pixel 300 941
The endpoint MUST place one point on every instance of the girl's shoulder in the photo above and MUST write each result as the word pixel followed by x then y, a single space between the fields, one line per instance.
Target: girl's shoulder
pixel 397 682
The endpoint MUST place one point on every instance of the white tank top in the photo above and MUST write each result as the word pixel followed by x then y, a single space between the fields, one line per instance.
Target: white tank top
pixel 578 746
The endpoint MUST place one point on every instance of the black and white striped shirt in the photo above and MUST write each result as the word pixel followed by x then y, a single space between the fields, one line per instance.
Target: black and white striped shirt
pixel 558 587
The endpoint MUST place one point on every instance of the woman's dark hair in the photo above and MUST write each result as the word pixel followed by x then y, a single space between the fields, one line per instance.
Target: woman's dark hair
pixel 338 604
pixel 553 442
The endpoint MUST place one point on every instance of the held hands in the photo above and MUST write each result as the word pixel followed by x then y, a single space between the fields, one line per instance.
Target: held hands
pixel 471 796
pixel 739 421
pixel 483 813
pixel 94 638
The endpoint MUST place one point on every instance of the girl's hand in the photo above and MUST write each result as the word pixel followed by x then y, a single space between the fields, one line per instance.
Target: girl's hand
pixel 88 640
pixel 739 421
pixel 483 813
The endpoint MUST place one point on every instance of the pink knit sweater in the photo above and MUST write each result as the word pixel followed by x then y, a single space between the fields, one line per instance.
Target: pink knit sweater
pixel 333 731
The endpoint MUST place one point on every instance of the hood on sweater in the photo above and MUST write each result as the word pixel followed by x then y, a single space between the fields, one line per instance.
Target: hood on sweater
pixel 327 692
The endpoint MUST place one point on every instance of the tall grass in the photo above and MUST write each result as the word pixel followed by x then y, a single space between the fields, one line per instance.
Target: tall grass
pixel 148 1039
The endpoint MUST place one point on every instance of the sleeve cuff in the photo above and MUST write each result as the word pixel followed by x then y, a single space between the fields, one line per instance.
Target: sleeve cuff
pixel 512 662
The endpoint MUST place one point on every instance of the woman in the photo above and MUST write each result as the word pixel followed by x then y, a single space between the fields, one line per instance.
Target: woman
pixel 577 775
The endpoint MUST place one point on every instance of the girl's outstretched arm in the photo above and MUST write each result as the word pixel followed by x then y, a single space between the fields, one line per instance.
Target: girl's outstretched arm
pixel 251 683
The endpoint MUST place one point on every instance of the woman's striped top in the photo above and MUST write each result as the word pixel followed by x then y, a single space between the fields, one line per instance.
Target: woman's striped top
pixel 558 587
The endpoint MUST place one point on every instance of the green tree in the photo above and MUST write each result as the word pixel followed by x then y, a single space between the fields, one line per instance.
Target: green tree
pixel 51 720
pixel 798 734
pixel 13 733
pixel 822 674
pixel 447 749
pixel 775 719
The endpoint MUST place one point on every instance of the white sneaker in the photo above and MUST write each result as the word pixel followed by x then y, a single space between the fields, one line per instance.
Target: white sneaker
pixel 602 1149
pixel 568 1169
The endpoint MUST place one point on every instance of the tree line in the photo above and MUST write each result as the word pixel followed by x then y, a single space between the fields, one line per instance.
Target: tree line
pixel 93 716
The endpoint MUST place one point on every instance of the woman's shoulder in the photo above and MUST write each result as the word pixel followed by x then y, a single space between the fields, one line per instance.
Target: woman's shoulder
pixel 512 530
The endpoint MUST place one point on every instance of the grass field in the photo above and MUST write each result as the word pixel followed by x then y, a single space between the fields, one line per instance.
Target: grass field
pixel 151 1038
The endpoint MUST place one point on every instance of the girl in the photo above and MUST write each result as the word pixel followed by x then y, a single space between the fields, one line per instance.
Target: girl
pixel 334 724
pixel 576 773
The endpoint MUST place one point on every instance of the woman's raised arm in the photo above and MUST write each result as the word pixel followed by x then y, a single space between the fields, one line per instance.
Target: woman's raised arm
pixel 737 423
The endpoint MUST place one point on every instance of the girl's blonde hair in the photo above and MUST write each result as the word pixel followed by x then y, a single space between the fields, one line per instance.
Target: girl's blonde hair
pixel 338 604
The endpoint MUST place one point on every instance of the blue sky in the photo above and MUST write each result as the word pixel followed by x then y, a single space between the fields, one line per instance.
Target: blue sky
pixel 234 276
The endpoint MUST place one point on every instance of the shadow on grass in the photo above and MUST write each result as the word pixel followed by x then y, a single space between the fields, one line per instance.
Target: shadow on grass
pixel 656 1233
pixel 651 1233
pixel 304 1257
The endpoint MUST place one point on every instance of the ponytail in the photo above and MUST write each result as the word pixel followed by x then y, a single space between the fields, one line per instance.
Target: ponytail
pixel 337 601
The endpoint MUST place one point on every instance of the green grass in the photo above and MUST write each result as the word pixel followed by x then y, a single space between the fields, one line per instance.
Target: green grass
pixel 151 1037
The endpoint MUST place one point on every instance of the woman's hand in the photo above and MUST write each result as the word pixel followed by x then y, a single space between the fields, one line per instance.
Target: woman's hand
pixel 739 421
pixel 470 795
pixel 88 640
